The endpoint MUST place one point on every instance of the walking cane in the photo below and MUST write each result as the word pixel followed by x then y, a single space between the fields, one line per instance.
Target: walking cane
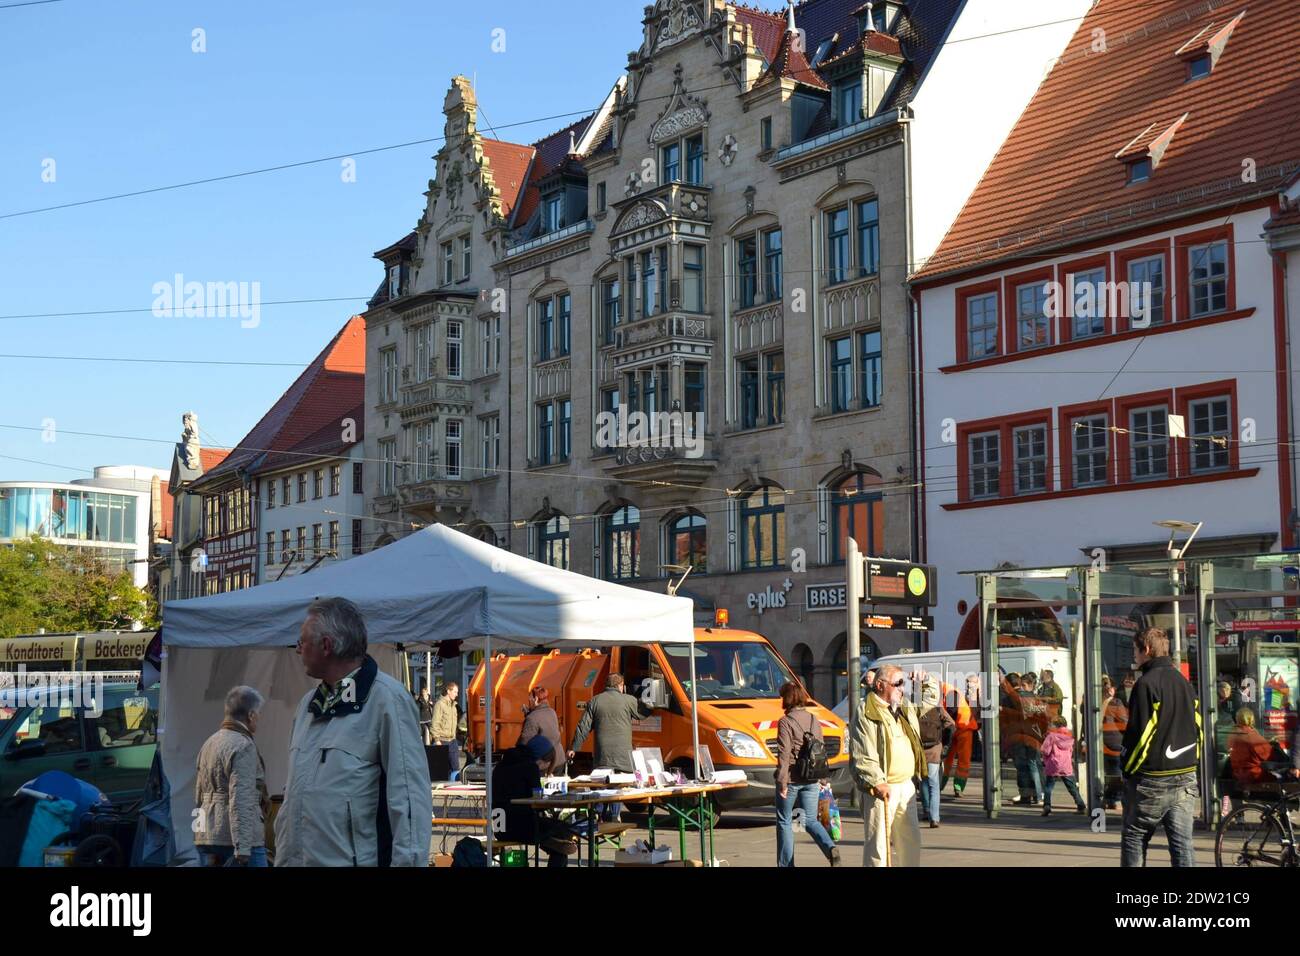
pixel 889 837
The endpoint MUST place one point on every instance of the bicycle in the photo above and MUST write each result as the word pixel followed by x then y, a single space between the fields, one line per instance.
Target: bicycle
pixel 1259 833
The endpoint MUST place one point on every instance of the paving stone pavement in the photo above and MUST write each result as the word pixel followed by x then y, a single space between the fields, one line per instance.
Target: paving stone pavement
pixel 1019 837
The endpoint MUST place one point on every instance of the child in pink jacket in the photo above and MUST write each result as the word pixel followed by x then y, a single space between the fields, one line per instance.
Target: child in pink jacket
pixel 1058 763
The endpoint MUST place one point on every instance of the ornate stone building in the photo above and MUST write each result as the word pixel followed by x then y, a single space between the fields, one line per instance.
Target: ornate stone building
pixel 722 248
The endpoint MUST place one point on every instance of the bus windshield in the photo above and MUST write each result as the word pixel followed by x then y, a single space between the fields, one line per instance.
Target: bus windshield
pixel 730 670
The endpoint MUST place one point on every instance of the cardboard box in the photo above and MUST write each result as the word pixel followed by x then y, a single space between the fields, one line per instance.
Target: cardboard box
pixel 654 858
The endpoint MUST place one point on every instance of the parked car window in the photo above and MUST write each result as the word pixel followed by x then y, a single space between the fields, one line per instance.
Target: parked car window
pixel 129 719
pixel 59 729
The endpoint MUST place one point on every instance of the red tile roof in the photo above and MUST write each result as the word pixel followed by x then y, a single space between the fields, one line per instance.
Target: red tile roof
pixel 551 151
pixel 769 29
pixel 326 392
pixel 1287 217
pixel 1055 180
pixel 791 63
pixel 508 163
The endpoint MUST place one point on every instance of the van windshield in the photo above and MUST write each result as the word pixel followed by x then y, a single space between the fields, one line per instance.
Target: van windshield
pixel 729 670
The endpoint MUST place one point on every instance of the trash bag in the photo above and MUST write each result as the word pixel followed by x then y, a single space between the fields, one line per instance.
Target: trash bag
pixel 469 852
pixel 155 844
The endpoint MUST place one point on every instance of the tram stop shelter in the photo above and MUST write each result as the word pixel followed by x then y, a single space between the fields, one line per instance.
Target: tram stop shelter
pixel 1233 623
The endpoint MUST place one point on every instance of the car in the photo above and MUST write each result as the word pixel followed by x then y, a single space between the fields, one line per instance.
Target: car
pixel 110 744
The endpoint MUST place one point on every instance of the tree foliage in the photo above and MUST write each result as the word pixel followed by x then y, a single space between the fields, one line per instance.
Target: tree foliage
pixel 45 585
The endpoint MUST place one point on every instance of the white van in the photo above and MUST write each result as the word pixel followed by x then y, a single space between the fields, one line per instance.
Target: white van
pixel 953 667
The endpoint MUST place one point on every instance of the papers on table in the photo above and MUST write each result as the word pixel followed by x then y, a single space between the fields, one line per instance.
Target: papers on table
pixel 729 776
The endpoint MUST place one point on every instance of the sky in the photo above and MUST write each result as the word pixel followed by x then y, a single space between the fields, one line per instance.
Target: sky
pixel 104 97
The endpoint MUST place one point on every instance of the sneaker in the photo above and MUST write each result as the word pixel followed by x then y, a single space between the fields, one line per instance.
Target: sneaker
pixel 834 856
pixel 1047 810
pixel 559 845
pixel 934 824
pixel 1080 809
pixel 1022 800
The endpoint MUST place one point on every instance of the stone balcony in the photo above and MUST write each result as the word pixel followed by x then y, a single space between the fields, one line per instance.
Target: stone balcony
pixel 428 397
pixel 686 333
pixel 670 462
pixel 429 495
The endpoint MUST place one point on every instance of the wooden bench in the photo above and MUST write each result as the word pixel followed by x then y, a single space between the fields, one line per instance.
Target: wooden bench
pixel 606 833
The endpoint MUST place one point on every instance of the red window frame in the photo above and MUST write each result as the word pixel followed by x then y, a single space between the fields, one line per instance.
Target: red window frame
pixel 1065 269
pixel 1123 406
pixel 1226 388
pixel 1005 426
pixel 1147 251
pixel 963 296
pixel 964 433
pixel 1010 286
pixel 1041 416
pixel 1182 253
pixel 1066 415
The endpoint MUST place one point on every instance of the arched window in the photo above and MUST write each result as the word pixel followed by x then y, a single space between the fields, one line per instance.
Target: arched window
pixel 622 539
pixel 553 541
pixel 484 532
pixel 687 542
pixel 858 512
pixel 762 528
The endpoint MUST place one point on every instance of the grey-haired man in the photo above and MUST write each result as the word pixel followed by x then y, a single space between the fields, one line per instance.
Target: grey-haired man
pixel 358 791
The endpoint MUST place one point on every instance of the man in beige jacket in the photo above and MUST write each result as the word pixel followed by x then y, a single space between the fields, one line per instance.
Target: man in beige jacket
pixel 230 796
pixel 358 792
pixel 886 756
pixel 443 732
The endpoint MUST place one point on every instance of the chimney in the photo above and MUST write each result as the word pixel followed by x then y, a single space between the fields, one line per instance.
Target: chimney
pixel 573 143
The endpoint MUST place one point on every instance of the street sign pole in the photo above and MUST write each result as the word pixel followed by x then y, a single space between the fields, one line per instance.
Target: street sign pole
pixel 852 601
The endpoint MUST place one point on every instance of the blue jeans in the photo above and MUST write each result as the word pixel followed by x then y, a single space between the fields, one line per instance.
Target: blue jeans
pixel 804 796
pixel 1029 777
pixel 1070 785
pixel 215 855
pixel 1151 802
pixel 453 758
pixel 934 773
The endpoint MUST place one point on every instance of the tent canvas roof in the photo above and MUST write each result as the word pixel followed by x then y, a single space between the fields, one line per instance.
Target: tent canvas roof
pixel 438 585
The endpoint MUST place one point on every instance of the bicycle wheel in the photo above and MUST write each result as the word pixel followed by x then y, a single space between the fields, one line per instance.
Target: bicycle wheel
pixel 1251 836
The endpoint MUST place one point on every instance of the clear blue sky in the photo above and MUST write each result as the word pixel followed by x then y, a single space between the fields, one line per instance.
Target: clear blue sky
pixel 112 92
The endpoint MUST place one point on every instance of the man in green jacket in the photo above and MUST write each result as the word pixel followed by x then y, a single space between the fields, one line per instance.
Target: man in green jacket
pixel 886 756
pixel 610 713
pixel 443 732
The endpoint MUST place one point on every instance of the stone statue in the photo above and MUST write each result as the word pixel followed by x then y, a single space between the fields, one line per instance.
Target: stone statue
pixel 190 441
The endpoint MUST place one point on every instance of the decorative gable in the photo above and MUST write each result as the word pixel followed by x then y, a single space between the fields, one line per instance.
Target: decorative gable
pixel 683 112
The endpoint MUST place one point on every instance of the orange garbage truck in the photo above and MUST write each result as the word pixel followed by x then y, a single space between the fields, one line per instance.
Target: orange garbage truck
pixel 738 673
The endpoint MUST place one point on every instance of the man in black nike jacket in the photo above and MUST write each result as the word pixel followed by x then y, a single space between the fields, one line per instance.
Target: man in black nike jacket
pixel 1161 753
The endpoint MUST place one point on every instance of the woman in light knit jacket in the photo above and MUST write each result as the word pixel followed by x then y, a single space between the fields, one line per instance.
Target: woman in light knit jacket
pixel 230 788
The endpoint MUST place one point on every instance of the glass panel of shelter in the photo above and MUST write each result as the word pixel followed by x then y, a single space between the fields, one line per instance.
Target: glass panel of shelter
pixel 1244 663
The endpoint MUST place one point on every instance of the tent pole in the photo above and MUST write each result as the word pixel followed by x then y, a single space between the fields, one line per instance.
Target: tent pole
pixel 428 670
pixel 695 711
pixel 487 735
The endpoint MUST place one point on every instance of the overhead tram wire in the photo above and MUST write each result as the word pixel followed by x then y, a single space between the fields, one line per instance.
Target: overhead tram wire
pixel 1208 5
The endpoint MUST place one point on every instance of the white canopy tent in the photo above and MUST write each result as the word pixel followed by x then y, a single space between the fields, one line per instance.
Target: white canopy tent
pixel 432 586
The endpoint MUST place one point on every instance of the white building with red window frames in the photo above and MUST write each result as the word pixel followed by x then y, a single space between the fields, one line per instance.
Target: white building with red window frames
pixel 1104 338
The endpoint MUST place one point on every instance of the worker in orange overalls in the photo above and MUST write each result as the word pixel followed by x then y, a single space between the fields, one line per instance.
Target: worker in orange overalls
pixel 963 738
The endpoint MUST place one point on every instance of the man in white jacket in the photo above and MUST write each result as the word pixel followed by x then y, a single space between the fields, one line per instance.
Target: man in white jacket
pixel 358 792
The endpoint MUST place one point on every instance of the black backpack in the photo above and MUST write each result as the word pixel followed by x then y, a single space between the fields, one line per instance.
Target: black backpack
pixel 810 766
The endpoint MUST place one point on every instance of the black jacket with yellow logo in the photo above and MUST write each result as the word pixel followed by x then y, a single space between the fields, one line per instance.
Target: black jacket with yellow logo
pixel 1163 737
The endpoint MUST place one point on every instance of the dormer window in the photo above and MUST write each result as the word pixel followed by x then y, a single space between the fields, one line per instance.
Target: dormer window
pixel 1202 52
pixel 1139 171
pixel 553 213
pixel 394 281
pixel 848 102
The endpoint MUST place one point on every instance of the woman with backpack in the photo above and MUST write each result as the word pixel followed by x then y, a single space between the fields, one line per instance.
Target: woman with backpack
pixel 800 768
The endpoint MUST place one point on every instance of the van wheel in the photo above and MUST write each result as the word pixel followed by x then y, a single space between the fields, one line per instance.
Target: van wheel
pixel 98 851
